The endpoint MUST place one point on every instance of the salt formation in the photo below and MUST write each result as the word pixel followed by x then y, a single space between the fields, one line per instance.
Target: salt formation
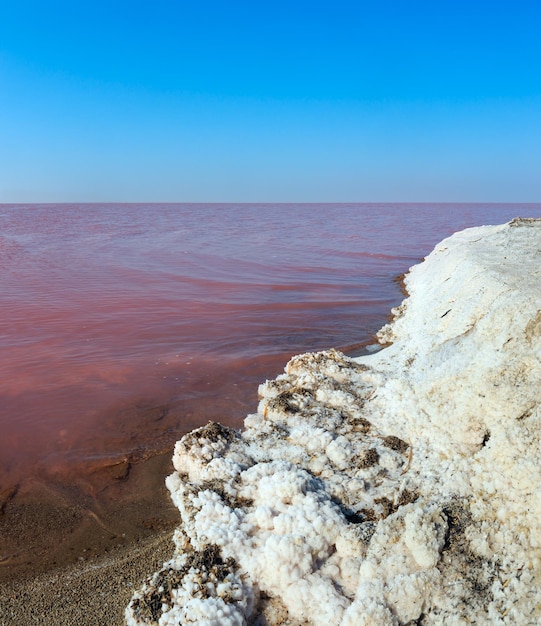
pixel 402 487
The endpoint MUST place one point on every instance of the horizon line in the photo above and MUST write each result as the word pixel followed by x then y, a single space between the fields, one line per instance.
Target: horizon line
pixel 270 202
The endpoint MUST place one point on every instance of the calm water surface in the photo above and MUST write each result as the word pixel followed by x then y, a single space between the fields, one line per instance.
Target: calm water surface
pixel 124 326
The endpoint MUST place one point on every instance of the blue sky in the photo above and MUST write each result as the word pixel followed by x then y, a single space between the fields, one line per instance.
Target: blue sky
pixel 270 101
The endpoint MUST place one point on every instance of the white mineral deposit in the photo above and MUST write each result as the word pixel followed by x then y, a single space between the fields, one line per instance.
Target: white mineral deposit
pixel 403 487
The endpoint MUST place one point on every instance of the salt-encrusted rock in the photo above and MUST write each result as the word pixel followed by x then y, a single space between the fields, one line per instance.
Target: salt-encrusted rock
pixel 399 488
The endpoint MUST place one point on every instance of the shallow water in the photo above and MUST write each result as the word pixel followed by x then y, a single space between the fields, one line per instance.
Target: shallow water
pixel 124 326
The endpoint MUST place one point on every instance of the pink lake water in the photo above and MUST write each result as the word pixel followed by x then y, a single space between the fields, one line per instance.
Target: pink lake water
pixel 124 326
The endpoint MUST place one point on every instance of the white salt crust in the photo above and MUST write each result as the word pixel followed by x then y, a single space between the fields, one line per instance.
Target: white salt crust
pixel 402 487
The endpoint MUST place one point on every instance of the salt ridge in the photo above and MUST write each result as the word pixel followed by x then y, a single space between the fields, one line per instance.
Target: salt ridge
pixel 402 487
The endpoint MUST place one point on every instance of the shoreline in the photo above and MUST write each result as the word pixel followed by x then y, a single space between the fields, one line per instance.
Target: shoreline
pixel 75 548
pixel 61 541
pixel 399 487
pixel 51 522
pixel 22 585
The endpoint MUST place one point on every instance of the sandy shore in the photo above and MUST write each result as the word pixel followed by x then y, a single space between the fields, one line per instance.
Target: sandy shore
pixel 88 593
pixel 73 548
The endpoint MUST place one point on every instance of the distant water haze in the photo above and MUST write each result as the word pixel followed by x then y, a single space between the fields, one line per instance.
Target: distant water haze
pixel 124 326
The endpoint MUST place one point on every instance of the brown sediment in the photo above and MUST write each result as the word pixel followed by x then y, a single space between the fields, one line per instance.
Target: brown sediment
pixel 6 495
pixel 395 443
pixel 51 526
pixel 73 551
pixel 400 281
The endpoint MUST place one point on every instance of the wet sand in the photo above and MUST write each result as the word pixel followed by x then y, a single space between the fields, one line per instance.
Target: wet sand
pixel 73 553
pixel 78 535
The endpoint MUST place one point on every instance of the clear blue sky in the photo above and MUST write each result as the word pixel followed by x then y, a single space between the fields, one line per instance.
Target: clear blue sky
pixel 170 100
